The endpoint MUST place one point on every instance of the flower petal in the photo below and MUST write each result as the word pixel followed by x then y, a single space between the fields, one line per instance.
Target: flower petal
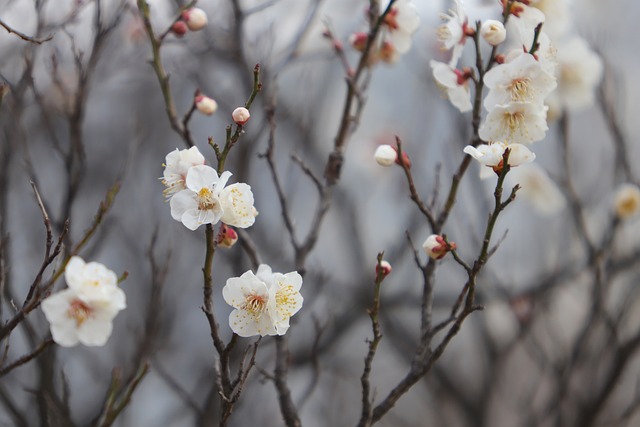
pixel 201 176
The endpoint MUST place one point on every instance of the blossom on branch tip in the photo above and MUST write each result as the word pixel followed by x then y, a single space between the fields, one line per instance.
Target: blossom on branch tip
pixel 263 302
pixel 240 115
pixel 84 312
pixel 206 200
pixel 493 32
pixel 627 201
pixel 491 155
pixel 206 105
pixel 177 163
pixel 436 247
pixel 385 266
pixel 456 84
pixel 195 18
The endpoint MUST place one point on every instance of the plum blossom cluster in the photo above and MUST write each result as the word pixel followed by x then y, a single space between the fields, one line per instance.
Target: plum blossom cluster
pixel 84 312
pixel 398 27
pixel 197 195
pixel 518 82
pixel 263 302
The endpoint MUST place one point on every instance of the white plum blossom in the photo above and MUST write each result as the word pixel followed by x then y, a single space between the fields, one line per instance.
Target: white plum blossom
pixel 177 163
pixel 455 83
pixel 493 32
pixel 522 23
pixel 206 200
pixel 579 71
pixel 263 302
pixel 516 122
pixel 521 80
pixel 453 32
pixel 537 188
pixel 627 201
pixel 401 22
pixel 491 155
pixel 84 312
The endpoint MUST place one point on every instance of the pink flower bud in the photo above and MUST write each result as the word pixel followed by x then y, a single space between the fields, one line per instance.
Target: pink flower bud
pixel 206 105
pixel 358 41
pixel 179 28
pixel 227 236
pixel 405 158
pixel 195 18
pixel 240 115
pixel 436 247
pixel 386 268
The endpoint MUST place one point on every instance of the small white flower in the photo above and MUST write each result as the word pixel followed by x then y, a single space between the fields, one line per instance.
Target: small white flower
pixel 517 122
pixel 85 310
pixel 263 302
pixel 240 115
pixel 455 83
pixel 206 105
pixel 199 203
pixel 493 32
pixel 491 155
pixel 521 80
pixel 523 22
pixel 579 72
pixel 195 18
pixel 627 201
pixel 452 34
pixel 385 155
pixel 401 22
pixel 206 200
pixel 237 204
pixel 177 163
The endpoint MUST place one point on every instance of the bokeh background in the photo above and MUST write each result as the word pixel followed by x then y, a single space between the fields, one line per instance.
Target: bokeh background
pixel 525 360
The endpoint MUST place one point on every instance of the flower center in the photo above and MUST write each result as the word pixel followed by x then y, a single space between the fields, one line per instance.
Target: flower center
pixel 255 304
pixel 79 311
pixel 206 199
pixel 520 89
pixel 443 33
pixel 513 120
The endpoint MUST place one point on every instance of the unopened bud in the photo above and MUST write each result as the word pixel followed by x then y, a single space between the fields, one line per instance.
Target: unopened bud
pixel 358 41
pixel 388 53
pixel 240 115
pixel 195 18
pixel 436 247
pixel 405 158
pixel 385 155
pixel 206 105
pixel 627 201
pixel 385 266
pixel 227 236
pixel 493 32
pixel 500 58
pixel 179 28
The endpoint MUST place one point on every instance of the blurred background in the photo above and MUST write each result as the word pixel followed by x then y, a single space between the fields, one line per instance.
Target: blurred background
pixel 557 342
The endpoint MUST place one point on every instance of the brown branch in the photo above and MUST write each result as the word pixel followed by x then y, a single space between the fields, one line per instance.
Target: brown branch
pixel 23 36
